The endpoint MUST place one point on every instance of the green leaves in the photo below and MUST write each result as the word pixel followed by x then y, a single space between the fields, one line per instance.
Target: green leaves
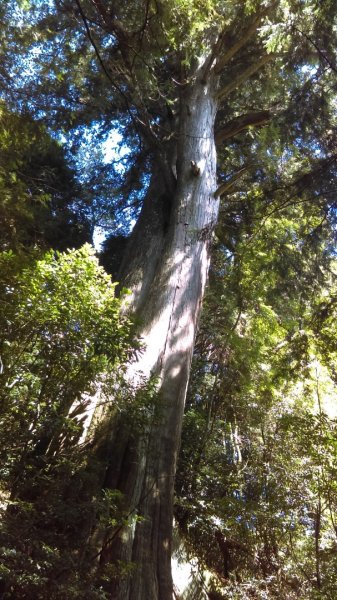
pixel 39 198
pixel 260 428
pixel 187 21
pixel 61 330
pixel 63 338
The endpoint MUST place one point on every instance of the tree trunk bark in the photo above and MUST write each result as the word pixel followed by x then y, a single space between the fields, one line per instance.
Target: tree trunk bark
pixel 166 268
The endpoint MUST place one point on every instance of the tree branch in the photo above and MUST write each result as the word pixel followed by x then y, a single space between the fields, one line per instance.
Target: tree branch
pixel 134 119
pixel 212 57
pixel 230 87
pixel 225 58
pixel 320 52
pixel 100 60
pixel 252 119
pixel 226 187
pixel 123 38
pixel 112 24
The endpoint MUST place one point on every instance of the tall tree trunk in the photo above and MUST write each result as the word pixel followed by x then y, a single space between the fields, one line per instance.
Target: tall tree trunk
pixel 167 266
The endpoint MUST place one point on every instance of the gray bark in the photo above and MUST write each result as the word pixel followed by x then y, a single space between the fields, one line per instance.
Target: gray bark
pixel 166 267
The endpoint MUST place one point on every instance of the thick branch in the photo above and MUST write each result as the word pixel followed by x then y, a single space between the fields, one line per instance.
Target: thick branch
pixel 213 55
pixel 225 58
pixel 226 187
pixel 252 119
pixel 230 87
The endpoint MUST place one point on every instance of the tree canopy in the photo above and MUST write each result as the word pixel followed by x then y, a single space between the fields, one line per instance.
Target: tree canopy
pixel 89 68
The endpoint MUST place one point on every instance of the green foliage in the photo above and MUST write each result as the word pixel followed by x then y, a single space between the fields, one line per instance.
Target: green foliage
pixel 258 506
pixel 39 197
pixel 194 18
pixel 61 330
pixel 255 489
pixel 63 337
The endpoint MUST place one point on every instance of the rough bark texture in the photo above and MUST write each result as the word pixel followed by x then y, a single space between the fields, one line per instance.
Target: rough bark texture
pixel 166 267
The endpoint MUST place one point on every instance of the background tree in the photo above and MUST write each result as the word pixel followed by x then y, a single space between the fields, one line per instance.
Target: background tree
pixel 40 199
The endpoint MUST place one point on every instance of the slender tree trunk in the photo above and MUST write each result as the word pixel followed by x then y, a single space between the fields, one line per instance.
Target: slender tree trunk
pixel 166 266
pixel 318 518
